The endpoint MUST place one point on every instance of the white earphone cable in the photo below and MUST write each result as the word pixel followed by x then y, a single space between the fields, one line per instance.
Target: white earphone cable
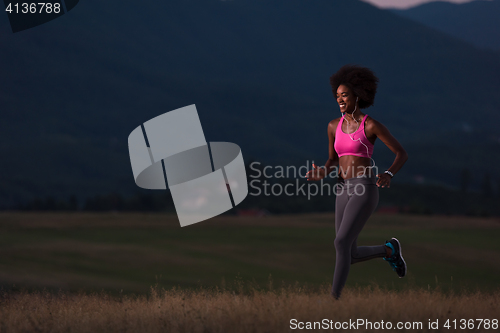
pixel 359 139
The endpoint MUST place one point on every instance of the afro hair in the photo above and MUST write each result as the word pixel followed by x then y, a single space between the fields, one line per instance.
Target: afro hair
pixel 361 80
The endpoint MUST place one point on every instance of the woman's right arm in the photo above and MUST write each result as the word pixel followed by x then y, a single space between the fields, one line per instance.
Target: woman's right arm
pixel 333 158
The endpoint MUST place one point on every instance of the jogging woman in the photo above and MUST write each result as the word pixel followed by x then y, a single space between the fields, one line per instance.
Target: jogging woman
pixel 351 140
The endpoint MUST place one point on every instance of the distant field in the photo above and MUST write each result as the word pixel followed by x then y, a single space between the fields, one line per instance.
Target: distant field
pixel 129 253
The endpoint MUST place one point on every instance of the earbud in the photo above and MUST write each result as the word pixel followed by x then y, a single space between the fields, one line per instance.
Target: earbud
pixel 357 99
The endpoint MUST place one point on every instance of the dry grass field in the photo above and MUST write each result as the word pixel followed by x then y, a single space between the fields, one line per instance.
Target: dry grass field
pixel 283 310
pixel 75 272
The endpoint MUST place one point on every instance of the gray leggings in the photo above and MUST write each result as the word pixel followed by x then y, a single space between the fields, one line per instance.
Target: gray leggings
pixel 357 199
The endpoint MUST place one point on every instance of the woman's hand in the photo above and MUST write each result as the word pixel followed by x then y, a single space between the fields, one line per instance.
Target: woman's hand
pixel 381 132
pixel 384 180
pixel 316 173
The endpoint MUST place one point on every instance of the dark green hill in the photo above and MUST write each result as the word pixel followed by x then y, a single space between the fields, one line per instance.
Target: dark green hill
pixel 73 89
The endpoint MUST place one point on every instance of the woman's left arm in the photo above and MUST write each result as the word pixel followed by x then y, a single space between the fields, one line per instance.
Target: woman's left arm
pixel 390 141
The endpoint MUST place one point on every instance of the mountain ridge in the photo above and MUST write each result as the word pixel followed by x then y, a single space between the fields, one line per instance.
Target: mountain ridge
pixel 475 22
pixel 257 70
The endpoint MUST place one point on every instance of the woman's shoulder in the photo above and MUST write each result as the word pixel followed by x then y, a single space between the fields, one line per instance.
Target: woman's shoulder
pixel 370 121
pixel 332 126
pixel 334 123
pixel 372 124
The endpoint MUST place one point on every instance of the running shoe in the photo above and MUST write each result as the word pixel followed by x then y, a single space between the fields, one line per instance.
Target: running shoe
pixel 396 260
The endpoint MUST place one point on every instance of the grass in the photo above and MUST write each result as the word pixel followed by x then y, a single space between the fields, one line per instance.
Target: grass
pixel 129 253
pixel 215 310
pixel 81 272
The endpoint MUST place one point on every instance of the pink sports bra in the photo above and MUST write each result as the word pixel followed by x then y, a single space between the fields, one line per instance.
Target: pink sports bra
pixel 356 143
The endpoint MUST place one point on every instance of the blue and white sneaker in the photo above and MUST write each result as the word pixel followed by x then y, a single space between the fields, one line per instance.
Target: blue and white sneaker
pixel 396 260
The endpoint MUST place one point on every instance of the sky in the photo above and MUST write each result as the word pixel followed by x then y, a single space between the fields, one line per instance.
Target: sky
pixel 403 4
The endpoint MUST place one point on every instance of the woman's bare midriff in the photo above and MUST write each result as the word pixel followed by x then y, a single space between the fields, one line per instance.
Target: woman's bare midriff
pixel 354 166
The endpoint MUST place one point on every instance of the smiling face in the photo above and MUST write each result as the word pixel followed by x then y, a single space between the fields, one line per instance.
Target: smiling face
pixel 346 99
